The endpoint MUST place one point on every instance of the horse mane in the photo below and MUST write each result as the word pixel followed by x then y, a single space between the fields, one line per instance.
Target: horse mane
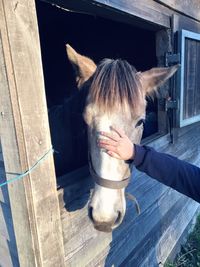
pixel 115 84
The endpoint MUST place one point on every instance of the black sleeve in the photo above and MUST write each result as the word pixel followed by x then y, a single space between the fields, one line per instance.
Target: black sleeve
pixel 180 175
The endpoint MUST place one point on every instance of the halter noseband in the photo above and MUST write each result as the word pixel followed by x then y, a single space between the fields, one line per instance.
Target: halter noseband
pixel 105 182
pixel 112 184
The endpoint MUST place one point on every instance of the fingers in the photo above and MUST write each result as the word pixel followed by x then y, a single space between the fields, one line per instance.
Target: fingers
pixel 119 131
pixel 111 136
pixel 109 148
pixel 113 154
pixel 103 142
pixel 115 135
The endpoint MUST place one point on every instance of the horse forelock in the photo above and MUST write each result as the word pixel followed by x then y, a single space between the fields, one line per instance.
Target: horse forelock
pixel 116 85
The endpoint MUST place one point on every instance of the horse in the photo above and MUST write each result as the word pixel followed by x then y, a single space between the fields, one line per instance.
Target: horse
pixel 67 126
pixel 110 93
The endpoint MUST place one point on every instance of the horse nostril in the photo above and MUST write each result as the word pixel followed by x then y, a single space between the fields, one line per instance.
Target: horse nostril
pixel 90 209
pixel 118 220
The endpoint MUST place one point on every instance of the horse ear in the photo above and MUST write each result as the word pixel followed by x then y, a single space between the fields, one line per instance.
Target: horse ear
pixel 155 77
pixel 84 67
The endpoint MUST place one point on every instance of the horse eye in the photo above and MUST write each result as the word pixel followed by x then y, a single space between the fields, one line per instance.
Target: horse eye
pixel 140 122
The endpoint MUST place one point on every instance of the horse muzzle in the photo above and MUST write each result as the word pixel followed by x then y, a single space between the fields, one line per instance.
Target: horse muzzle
pixel 105 225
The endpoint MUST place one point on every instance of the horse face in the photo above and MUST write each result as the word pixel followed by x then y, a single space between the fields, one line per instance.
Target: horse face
pixel 107 206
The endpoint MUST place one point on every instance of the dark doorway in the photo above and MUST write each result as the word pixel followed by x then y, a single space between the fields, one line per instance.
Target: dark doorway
pixel 97 38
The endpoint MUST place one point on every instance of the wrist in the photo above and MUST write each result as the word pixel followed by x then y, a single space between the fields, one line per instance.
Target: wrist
pixel 132 152
pixel 131 158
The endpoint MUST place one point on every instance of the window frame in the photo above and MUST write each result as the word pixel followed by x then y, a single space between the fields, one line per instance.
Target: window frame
pixel 183 34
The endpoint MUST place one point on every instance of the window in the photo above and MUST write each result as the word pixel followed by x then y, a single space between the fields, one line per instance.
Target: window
pixel 88 36
pixel 189 78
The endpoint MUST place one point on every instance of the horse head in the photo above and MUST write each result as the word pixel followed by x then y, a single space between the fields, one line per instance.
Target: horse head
pixel 116 97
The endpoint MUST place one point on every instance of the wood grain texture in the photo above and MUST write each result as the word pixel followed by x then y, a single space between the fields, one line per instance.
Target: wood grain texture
pixel 180 22
pixel 25 138
pixel 4 197
pixel 191 91
pixel 142 11
pixel 7 258
pixel 25 135
pixel 139 9
pixel 154 11
pixel 8 248
pixel 188 7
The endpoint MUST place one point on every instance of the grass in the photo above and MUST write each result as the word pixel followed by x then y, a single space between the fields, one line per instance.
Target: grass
pixel 189 255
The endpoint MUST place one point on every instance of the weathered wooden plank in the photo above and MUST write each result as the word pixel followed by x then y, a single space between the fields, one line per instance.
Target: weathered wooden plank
pixel 6 224
pixel 25 138
pixel 175 229
pixel 197 85
pixel 8 249
pixel 7 258
pixel 4 196
pixel 129 243
pixel 184 236
pixel 3 190
pixel 170 226
pixel 71 178
pixel 181 22
pixel 141 11
pixel 191 90
pixel 1 156
pixel 187 7
pixel 7 237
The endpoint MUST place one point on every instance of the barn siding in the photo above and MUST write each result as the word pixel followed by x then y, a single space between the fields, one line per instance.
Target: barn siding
pixel 8 249
pixel 145 240
pixel 25 138
pixel 140 241
pixel 190 8
pixel 191 89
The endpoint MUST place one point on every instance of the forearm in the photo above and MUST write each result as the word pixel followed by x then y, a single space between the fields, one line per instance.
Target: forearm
pixel 171 171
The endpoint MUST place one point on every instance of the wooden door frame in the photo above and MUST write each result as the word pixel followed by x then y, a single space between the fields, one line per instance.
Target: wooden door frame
pixel 25 138
pixel 125 11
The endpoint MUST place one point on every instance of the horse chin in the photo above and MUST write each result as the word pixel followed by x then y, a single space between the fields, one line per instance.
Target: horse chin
pixel 103 227
pixel 106 227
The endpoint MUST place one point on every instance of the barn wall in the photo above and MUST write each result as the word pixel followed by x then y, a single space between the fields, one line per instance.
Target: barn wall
pixel 140 241
pixel 25 138
pixel 148 239
pixel 157 12
pixel 8 249
pixel 187 7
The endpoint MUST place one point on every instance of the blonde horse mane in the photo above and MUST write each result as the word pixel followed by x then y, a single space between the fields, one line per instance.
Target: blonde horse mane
pixel 115 84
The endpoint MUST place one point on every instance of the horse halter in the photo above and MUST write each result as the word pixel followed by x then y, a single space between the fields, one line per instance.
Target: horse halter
pixel 105 182
pixel 112 184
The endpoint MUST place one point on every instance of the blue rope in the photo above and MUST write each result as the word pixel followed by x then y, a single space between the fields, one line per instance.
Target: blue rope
pixel 51 150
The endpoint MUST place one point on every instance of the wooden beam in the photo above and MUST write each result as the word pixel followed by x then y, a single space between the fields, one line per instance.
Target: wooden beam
pixel 25 138
pixel 186 7
pixel 180 22
pixel 136 12
pixel 139 10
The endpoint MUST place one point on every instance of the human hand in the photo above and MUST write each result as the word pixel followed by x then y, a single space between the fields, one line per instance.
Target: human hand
pixel 118 145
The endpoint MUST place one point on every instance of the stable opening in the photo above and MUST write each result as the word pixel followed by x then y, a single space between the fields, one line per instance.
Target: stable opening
pixel 97 38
